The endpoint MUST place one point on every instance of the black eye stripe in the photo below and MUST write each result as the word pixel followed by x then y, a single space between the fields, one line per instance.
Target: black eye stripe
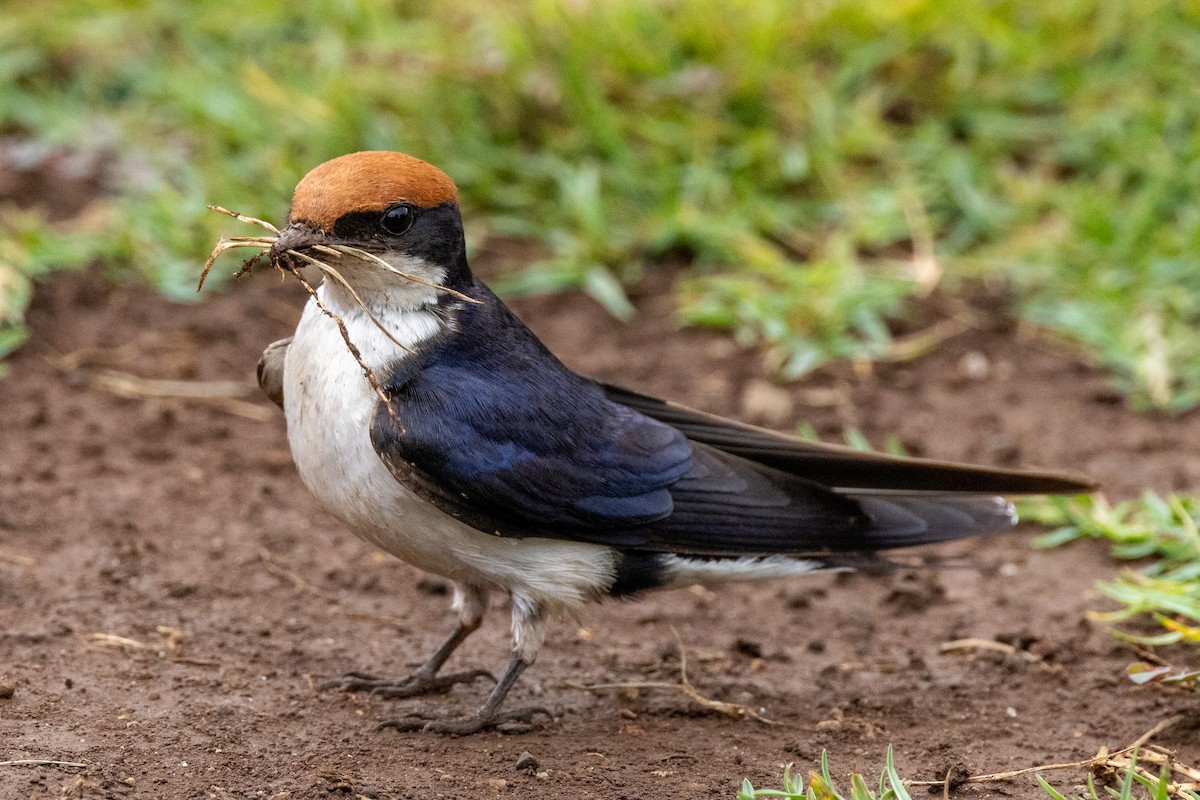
pixel 397 219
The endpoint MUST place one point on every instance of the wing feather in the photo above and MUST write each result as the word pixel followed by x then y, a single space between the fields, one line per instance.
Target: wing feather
pixel 843 467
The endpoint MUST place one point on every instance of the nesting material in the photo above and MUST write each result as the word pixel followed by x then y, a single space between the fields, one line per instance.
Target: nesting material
pixel 264 244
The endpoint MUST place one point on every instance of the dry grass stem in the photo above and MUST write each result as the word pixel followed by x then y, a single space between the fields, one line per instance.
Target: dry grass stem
pixel 98 356
pixel 279 571
pixel 368 256
pixel 112 640
pixel 223 395
pixel 337 276
pixel 263 245
pixel 1102 760
pixel 244 218
pixel 376 386
pixel 927 270
pixel 20 561
pixel 914 345
pixel 168 650
pixel 684 686
pixel 1187 779
pixel 272 566
pixel 260 242
pixel 959 645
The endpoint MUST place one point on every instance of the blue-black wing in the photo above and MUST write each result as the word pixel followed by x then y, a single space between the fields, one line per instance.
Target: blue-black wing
pixel 519 456
pixel 491 428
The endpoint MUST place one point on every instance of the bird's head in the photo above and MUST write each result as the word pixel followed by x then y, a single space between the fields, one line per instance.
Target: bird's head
pixel 398 209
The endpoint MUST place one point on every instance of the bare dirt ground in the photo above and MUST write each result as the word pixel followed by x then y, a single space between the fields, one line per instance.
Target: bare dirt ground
pixel 182 527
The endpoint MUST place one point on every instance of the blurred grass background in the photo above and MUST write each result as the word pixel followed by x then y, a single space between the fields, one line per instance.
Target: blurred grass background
pixel 815 165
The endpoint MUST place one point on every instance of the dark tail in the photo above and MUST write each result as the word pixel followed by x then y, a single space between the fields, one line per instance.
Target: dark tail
pixel 904 520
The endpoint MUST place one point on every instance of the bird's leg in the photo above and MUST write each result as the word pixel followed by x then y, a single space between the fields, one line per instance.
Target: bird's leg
pixel 470 602
pixel 528 635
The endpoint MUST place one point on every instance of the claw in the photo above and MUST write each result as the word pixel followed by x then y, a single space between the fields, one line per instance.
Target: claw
pixel 517 720
pixel 416 684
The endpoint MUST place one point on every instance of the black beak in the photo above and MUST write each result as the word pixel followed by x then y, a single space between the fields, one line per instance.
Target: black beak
pixel 296 236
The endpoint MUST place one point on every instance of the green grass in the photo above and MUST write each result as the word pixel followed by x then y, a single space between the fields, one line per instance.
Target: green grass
pixel 1146 786
pixel 795 156
pixel 822 787
pixel 1162 532
pixel 1134 785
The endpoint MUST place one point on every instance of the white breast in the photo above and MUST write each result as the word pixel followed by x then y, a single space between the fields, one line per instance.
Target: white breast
pixel 329 406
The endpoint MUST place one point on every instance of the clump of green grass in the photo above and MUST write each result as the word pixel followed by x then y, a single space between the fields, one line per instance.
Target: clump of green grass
pixel 822 787
pixel 1149 786
pixel 1160 530
pixel 813 165
pixel 1133 778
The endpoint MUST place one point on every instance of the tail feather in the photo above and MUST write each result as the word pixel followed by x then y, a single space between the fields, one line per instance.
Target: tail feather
pixel 904 520
pixel 843 467
pixel 896 521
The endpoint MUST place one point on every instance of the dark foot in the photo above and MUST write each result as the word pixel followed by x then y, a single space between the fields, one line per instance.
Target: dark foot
pixel 413 685
pixel 517 720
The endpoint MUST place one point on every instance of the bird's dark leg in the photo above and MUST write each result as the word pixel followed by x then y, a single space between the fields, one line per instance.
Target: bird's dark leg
pixel 529 632
pixel 489 714
pixel 470 602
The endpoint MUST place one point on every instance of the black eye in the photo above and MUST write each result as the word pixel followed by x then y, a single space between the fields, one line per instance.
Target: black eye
pixel 397 219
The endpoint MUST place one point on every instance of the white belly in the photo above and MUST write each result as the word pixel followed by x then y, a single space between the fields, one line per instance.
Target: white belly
pixel 329 406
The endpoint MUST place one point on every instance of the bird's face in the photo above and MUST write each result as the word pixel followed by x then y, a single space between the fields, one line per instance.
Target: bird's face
pixel 396 208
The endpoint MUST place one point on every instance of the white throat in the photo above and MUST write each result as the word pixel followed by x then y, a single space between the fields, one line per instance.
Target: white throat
pixel 405 308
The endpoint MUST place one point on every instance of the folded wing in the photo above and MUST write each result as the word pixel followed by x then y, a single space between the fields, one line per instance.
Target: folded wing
pixel 556 455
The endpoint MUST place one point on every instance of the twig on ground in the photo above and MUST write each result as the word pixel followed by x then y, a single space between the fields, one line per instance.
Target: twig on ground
pixel 301 585
pixel 1159 757
pixel 222 395
pixel 279 571
pixel 917 344
pixel 1102 759
pixel 95 357
pixel 41 762
pixel 927 270
pixel 20 561
pixel 168 650
pixel 112 640
pixel 976 644
pixel 685 686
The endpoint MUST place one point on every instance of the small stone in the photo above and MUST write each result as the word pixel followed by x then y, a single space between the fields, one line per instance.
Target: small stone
pixel 766 402
pixel 7 689
pixel 526 762
pixel 177 589
pixel 748 647
pixel 974 366
pixel 497 783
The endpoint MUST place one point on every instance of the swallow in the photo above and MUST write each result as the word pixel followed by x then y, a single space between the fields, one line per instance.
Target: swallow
pixel 478 456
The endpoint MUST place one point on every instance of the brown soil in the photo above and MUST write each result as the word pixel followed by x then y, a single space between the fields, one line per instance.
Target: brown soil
pixel 183 527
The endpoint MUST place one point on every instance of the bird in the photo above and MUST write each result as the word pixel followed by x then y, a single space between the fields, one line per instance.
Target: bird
pixel 451 437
